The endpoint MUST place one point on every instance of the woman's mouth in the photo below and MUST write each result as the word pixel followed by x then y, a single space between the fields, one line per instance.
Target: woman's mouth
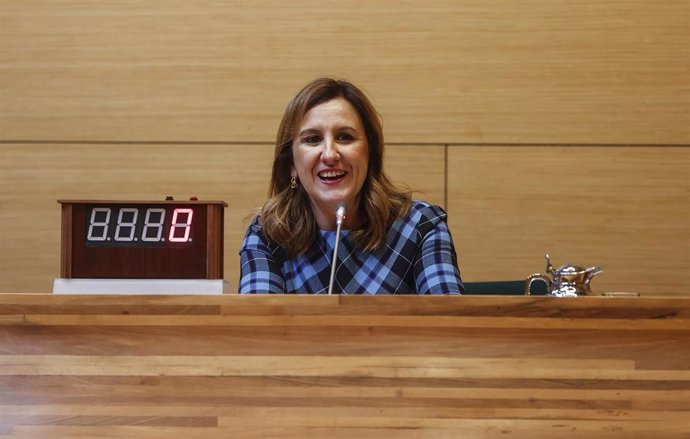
pixel 331 177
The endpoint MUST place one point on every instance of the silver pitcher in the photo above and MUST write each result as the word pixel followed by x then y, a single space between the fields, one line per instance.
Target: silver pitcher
pixel 565 281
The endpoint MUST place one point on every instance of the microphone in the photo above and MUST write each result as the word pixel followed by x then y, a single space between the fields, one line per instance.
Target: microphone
pixel 339 217
pixel 339 214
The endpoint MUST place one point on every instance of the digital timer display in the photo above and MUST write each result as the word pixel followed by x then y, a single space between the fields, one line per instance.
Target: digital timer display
pixel 142 239
pixel 140 225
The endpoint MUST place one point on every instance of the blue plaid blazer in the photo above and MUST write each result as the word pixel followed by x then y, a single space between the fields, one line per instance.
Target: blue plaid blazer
pixel 418 257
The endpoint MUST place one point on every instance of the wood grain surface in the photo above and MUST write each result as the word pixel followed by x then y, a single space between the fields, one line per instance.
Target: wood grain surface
pixel 475 71
pixel 343 367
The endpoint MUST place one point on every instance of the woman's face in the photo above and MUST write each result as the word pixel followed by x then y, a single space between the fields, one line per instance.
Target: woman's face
pixel 330 159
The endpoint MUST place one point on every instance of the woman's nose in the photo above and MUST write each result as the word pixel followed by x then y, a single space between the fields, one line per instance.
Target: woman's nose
pixel 330 151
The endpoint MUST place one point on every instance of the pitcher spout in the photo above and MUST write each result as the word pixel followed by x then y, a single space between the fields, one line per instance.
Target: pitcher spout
pixel 591 272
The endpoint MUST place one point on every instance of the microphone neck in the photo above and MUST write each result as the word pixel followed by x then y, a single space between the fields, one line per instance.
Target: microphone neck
pixel 339 217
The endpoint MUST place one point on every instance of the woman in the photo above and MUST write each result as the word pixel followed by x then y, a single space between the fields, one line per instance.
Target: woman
pixel 329 150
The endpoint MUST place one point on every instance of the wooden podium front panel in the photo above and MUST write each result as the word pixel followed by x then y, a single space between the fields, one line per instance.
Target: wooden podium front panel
pixel 343 367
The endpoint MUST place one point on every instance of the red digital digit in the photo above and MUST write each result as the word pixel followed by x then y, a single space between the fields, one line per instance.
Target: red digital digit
pixel 179 230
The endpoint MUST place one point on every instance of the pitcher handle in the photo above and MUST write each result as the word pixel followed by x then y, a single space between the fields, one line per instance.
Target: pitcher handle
pixel 536 276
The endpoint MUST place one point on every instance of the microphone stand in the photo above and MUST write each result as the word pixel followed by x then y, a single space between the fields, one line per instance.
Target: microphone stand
pixel 339 217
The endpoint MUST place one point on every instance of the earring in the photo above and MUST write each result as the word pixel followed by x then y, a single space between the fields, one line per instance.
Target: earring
pixel 293 182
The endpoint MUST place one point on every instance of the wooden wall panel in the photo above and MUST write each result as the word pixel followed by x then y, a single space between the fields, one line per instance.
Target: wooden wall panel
pixel 85 85
pixel 450 72
pixel 625 209
pixel 419 168
pixel 33 177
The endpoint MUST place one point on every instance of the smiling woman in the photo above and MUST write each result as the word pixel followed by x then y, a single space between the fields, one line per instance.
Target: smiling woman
pixel 329 152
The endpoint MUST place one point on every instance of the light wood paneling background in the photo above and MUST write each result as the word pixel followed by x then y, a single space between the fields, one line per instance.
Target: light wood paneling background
pixel 495 108
pixel 625 209
pixel 532 71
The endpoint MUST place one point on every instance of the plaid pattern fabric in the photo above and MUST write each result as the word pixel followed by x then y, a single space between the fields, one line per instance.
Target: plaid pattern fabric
pixel 419 257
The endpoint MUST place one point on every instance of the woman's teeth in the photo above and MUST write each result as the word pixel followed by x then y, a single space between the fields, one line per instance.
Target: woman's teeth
pixel 331 175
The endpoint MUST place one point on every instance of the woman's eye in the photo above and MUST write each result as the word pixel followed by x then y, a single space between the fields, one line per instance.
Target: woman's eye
pixel 345 137
pixel 312 140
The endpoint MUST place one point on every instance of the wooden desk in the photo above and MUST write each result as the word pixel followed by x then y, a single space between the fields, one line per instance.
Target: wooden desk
pixel 343 367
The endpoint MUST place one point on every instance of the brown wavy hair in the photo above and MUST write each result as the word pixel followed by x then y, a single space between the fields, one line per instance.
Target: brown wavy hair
pixel 287 218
